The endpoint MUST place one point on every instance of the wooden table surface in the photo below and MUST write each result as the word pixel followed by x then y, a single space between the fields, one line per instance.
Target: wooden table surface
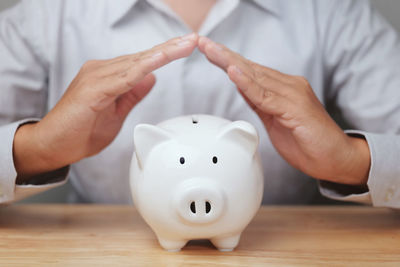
pixel 82 235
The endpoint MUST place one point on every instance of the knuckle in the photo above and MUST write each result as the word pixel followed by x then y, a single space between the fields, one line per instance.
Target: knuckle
pixel 129 83
pixel 263 79
pixel 258 68
pixel 125 78
pixel 136 58
pixel 265 99
pixel 252 83
pixel 257 74
pixel 141 70
pixel 173 40
pixel 302 80
pixel 144 66
pixel 89 64
pixel 252 73
pixel 123 74
pixel 129 78
pixel 162 56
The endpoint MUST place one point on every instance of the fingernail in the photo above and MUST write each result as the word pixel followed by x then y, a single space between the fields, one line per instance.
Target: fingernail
pixel 184 43
pixel 189 36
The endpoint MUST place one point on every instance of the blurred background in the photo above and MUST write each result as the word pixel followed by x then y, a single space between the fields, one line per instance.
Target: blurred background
pixel 388 8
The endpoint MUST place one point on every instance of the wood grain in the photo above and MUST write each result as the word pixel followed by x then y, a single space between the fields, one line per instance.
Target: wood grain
pixel 101 235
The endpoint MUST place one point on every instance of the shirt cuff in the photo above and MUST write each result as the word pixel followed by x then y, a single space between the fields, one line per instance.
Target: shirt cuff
pixel 9 191
pixel 41 183
pixel 383 178
pixel 344 192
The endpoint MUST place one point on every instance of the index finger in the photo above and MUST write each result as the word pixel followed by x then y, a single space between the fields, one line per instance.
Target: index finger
pixel 166 52
pixel 223 57
pixel 129 70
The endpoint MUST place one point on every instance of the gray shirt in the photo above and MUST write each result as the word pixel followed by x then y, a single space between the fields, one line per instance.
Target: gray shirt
pixel 347 51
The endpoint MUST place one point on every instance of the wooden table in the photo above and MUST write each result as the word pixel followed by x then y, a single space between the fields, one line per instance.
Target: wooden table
pixel 82 235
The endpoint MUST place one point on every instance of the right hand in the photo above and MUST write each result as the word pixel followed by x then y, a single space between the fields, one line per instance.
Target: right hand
pixel 91 112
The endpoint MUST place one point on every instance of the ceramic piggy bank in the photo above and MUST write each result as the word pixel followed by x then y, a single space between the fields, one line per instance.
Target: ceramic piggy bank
pixel 197 177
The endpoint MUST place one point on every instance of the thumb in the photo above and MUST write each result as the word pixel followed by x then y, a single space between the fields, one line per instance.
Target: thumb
pixel 128 100
pixel 266 118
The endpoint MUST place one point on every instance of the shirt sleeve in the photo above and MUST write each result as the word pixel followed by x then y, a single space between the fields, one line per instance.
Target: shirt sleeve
pixel 361 53
pixel 23 93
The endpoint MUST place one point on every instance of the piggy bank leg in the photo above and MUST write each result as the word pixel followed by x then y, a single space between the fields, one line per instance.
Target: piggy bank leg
pixel 171 245
pixel 227 243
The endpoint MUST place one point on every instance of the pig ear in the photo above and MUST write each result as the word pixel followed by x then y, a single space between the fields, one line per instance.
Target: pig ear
pixel 146 137
pixel 242 133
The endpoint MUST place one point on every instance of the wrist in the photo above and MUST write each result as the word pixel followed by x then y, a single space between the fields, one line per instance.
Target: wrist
pixel 357 163
pixel 29 156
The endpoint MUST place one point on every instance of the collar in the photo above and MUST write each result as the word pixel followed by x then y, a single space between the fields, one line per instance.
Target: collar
pixel 120 9
pixel 273 6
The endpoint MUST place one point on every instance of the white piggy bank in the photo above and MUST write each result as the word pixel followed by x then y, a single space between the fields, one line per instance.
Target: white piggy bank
pixel 197 177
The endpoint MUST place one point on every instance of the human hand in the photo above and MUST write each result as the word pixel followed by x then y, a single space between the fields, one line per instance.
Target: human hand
pixel 91 112
pixel 298 125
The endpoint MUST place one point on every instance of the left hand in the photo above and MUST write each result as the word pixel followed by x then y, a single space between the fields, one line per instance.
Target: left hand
pixel 297 123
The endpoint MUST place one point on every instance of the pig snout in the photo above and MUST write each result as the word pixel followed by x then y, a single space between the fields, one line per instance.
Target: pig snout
pixel 199 201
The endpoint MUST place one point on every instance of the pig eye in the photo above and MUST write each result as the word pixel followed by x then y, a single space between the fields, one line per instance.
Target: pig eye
pixel 215 160
pixel 182 160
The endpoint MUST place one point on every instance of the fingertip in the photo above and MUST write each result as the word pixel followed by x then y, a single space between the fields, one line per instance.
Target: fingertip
pixel 195 37
pixel 147 82
pixel 202 42
pixel 206 44
pixel 191 36
pixel 189 39
pixel 188 43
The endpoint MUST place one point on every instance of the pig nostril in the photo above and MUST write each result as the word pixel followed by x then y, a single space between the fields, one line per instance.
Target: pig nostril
pixel 193 207
pixel 208 207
